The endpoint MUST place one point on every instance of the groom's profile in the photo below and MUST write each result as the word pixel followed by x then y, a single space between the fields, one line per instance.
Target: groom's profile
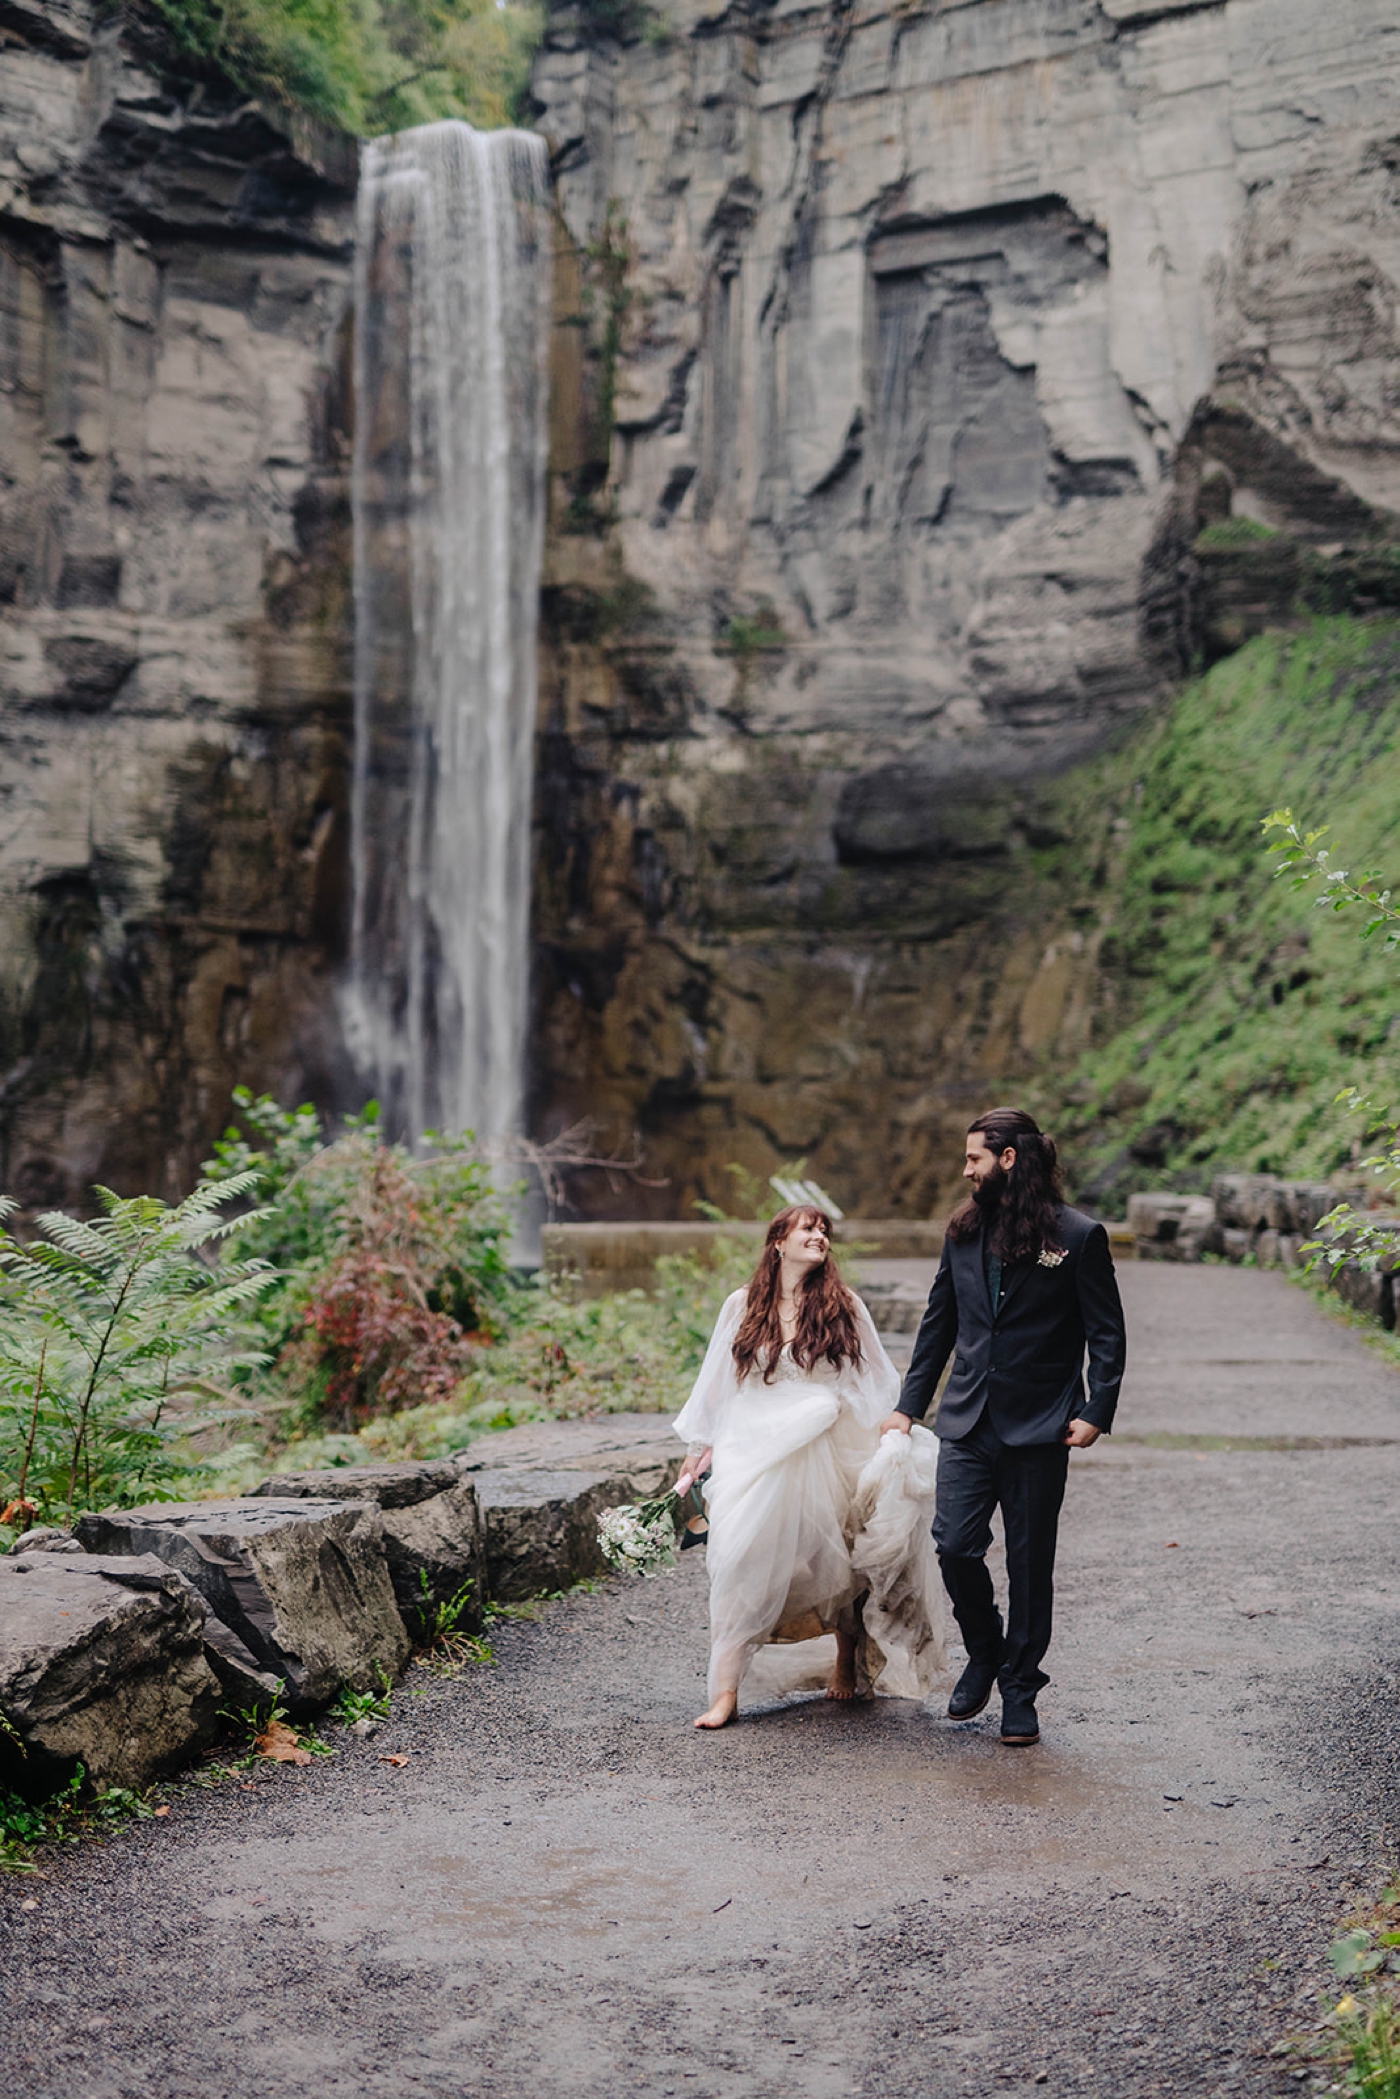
pixel 1025 1286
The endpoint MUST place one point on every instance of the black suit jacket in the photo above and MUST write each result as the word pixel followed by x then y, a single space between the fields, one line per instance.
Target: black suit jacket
pixel 1025 1366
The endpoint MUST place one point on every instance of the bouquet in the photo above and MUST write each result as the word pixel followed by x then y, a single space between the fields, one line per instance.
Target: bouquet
pixel 639 1537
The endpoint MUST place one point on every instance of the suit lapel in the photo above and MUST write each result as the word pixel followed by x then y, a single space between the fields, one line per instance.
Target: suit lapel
pixel 969 1253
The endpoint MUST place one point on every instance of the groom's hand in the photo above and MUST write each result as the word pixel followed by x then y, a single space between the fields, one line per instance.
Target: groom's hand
pixel 1080 1434
pixel 900 1421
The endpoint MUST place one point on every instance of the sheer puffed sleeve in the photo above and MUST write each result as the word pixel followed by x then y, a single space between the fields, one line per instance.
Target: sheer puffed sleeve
pixel 870 1391
pixel 716 1385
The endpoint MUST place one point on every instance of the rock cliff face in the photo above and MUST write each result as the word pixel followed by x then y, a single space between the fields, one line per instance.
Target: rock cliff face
pixel 174 630
pixel 944 357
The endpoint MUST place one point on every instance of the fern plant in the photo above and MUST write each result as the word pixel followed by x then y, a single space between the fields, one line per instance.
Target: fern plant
pixel 115 1337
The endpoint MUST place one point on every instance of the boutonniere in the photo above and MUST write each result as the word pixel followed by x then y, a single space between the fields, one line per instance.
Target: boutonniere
pixel 1051 1256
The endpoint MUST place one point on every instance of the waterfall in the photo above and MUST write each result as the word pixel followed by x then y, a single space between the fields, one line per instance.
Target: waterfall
pixel 452 311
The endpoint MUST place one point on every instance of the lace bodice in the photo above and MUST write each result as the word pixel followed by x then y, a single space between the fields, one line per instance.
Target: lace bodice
pixel 788 1371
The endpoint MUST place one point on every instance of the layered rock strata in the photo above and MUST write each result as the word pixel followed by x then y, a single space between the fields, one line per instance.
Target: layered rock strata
pixel 958 373
pixel 174 675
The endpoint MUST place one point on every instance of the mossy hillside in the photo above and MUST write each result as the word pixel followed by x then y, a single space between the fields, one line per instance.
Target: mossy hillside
pixel 367 66
pixel 1231 1010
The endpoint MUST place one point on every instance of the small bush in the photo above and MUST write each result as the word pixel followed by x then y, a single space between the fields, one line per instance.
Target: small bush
pixel 393 1267
pixel 115 1335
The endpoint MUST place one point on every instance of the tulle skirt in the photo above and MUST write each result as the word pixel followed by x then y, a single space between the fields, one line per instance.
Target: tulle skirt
pixel 817 1525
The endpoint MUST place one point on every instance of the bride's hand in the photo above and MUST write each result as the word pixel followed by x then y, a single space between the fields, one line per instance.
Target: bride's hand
pixel 899 1421
pixel 694 1469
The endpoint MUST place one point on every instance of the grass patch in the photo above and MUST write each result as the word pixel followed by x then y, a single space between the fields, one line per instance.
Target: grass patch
pixel 1359 2036
pixel 1228 1014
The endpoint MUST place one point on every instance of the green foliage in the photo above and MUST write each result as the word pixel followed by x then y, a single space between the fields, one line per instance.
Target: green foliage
pixel 439 1621
pixel 1227 533
pixel 68 1816
pixel 749 633
pixel 114 1334
pixel 1303 858
pixel 1356 1953
pixel 392 1265
pixel 1224 1025
pixel 558 1357
pixel 368 66
pixel 353 1706
pixel 1372 2036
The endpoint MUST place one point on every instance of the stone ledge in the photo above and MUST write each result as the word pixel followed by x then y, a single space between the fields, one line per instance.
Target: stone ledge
pixel 601 1258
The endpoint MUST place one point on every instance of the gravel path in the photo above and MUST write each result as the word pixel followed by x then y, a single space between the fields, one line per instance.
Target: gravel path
pixel 566 1891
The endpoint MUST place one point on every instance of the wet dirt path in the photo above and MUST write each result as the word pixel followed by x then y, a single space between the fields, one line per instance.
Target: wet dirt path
pixel 565 1891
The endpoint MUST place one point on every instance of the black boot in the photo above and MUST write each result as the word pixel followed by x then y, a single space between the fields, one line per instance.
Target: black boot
pixel 972 1689
pixel 1019 1725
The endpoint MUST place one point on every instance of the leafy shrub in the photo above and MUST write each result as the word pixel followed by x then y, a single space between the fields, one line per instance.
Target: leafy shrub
pixel 557 1357
pixel 113 1336
pixel 393 1267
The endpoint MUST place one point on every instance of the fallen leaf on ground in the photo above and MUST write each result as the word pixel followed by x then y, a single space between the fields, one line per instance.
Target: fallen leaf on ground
pixel 162 1811
pixel 397 1761
pixel 279 1742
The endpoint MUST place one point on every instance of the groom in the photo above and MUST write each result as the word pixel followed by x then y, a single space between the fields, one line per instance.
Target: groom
pixel 1025 1284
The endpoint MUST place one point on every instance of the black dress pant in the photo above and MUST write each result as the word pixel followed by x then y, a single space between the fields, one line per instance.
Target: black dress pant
pixel 1027 1482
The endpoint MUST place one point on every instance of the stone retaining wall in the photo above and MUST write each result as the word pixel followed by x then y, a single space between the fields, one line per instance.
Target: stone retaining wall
pixel 120 1641
pixel 1255 1217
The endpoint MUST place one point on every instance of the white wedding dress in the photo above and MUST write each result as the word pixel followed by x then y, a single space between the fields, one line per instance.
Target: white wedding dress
pixel 811 1508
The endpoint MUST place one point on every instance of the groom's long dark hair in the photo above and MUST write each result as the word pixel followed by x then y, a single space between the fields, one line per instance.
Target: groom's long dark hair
pixel 1016 1206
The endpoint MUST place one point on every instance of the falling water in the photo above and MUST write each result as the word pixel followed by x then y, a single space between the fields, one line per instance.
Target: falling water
pixel 452 299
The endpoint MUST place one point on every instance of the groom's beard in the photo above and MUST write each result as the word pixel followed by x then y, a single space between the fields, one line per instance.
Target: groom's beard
pixel 988 1194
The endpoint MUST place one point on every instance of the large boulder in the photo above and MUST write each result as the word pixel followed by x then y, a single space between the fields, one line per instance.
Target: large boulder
pixel 1242 1200
pixel 1171 1227
pixel 542 1487
pixel 302 1585
pixel 542 1527
pixel 434 1538
pixel 101 1664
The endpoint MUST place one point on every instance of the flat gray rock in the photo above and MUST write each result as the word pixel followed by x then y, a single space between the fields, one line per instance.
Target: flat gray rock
pixel 303 1585
pixel 542 1527
pixel 101 1664
pixel 641 1448
pixel 388 1486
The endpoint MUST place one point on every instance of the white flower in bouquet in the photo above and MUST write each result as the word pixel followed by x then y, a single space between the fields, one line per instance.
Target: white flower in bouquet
pixel 640 1537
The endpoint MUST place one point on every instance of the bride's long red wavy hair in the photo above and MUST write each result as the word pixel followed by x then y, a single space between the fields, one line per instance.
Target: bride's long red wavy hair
pixel 826 1310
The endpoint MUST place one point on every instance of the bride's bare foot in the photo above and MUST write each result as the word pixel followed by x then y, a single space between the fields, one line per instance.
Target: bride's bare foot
pixel 721 1712
pixel 843 1676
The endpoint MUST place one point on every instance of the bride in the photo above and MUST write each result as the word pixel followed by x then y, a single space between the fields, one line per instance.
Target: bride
pixel 816 1524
